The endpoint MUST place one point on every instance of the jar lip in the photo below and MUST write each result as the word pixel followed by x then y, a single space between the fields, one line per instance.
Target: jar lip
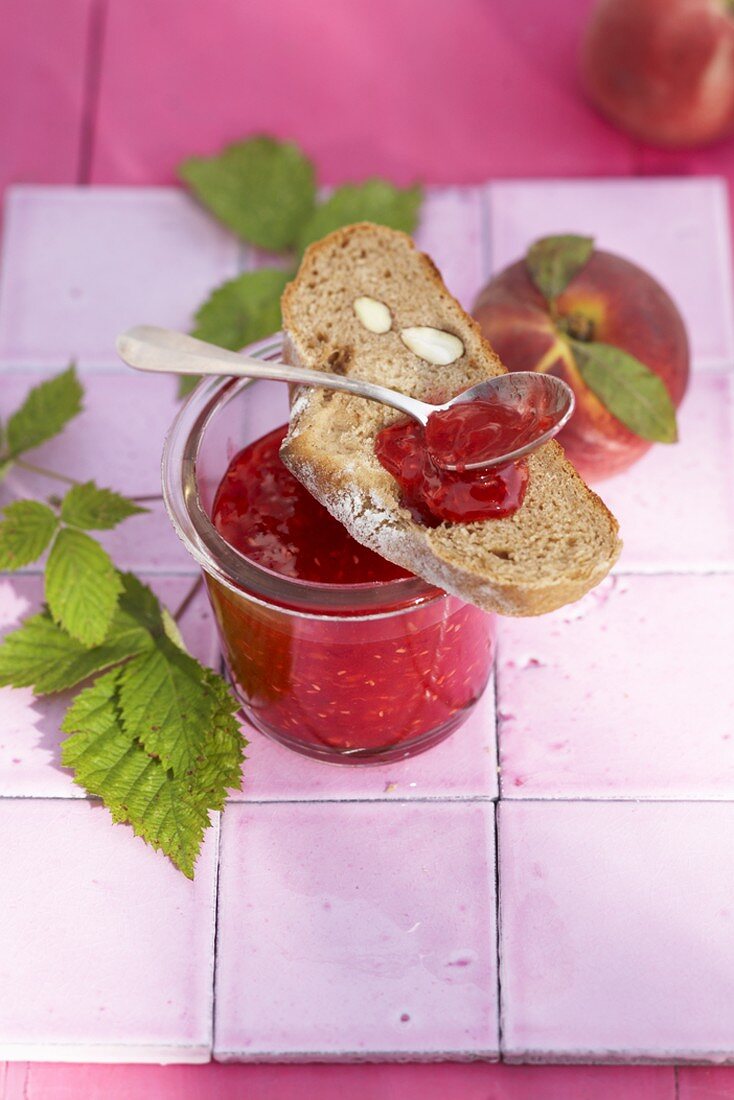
pixel 227 565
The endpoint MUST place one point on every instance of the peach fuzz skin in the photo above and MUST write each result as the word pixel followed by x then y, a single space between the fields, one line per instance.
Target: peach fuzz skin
pixel 619 304
pixel 663 70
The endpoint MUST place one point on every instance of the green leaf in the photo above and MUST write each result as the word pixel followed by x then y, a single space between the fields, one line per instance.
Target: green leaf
pixel 243 310
pixel 167 706
pixel 142 604
pixel 553 261
pixel 41 655
pixel 373 201
pixel 82 586
pixel 628 390
pixel 45 411
pixel 170 627
pixel 96 509
pixel 25 532
pixel 262 189
pixel 220 769
pixel 135 787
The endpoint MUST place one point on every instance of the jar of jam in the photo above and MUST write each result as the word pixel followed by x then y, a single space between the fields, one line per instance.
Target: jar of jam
pixel 333 651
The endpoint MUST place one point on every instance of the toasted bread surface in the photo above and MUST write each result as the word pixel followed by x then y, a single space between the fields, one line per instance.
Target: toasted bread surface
pixel 555 548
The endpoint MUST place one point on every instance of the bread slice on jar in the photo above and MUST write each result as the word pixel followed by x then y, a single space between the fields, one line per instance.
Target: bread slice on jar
pixel 559 544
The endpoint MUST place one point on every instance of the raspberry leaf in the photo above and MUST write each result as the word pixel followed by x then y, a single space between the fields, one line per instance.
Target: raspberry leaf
pixel 372 201
pixel 96 509
pixel 243 310
pixel 629 390
pixel 552 262
pixel 41 655
pixel 136 788
pixel 167 706
pixel 263 189
pixel 82 586
pixel 25 533
pixel 45 411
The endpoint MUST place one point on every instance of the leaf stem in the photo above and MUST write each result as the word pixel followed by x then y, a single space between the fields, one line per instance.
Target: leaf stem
pixel 188 598
pixel 146 497
pixel 44 472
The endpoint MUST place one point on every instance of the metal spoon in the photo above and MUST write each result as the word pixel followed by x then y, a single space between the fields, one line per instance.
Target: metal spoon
pixel 149 348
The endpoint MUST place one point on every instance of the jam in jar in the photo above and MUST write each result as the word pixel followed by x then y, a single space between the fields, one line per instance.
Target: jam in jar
pixel 349 658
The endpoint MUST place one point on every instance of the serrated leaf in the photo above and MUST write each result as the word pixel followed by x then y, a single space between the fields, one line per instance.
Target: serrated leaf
pixel 41 655
pixel 373 201
pixel 45 411
pixel 629 390
pixel 166 705
pixel 263 189
pixel 82 586
pixel 141 603
pixel 136 788
pixel 96 509
pixel 25 533
pixel 220 769
pixel 553 261
pixel 242 310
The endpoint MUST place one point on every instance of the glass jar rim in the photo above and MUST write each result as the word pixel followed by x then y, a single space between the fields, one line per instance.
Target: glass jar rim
pixel 227 565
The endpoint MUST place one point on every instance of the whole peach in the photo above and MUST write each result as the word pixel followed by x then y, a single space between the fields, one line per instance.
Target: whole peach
pixel 610 301
pixel 663 70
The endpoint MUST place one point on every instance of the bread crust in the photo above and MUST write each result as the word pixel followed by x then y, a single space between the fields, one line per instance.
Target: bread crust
pixel 562 541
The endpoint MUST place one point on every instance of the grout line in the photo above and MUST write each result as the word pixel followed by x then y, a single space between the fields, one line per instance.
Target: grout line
pixel 676 1082
pixel 215 941
pixel 497 917
pixel 92 81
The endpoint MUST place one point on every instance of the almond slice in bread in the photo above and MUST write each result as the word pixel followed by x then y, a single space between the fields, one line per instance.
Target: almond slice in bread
pixel 558 545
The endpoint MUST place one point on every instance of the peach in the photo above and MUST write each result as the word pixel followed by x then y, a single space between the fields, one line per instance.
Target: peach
pixel 608 303
pixel 663 70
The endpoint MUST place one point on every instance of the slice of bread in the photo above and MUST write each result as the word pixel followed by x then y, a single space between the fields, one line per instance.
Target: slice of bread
pixel 558 545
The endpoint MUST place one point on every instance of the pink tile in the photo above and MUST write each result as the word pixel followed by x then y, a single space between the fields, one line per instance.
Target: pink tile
pixel 626 694
pixel 463 766
pixel 450 104
pixel 359 931
pixel 107 950
pixel 80 265
pixel 678 229
pixel 43 70
pixel 616 939
pixel 30 727
pixel 688 488
pixel 451 232
pixel 476 1081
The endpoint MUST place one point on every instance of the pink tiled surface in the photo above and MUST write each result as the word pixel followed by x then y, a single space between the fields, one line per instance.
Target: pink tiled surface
pixel 438 805
pixel 384 914
pixel 616 940
pixel 106 954
pixel 79 266
pixel 676 229
pixel 676 510
pixel 626 694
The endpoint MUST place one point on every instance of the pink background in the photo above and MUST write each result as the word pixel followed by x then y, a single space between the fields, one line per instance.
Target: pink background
pixel 119 91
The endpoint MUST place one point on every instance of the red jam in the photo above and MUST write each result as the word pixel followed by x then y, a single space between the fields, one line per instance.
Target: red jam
pixel 433 494
pixel 347 685
pixel 480 431
pixel 266 514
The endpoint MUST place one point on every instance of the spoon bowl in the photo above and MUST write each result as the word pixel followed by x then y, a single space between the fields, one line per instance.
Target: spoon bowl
pixel 540 403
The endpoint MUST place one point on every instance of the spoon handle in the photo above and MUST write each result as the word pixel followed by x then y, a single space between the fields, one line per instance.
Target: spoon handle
pixel 149 348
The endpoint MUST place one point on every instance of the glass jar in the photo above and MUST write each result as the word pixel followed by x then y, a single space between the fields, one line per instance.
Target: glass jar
pixel 346 673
